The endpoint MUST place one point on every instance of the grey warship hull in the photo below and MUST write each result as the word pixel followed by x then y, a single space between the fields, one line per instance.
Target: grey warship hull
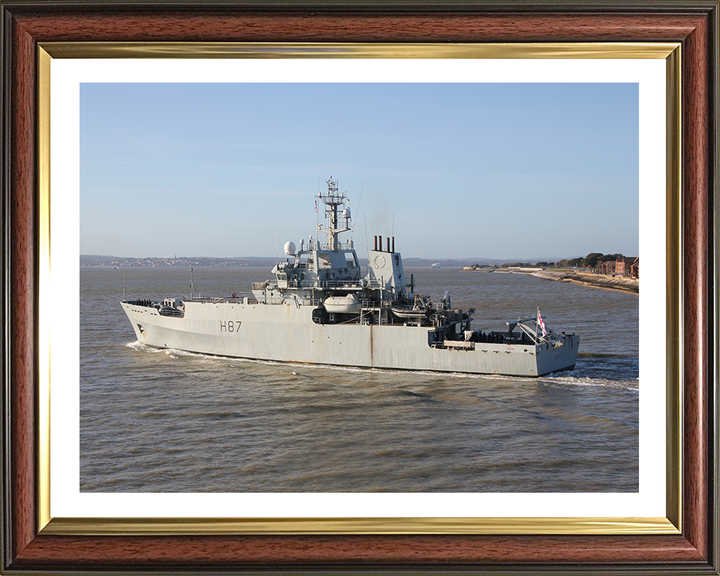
pixel 286 333
pixel 319 308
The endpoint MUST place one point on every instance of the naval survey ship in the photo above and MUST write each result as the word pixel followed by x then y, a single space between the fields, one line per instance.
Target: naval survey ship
pixel 319 308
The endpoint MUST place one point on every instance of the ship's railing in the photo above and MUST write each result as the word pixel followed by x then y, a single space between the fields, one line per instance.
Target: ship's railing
pixel 222 299
pixel 334 284
pixel 357 284
pixel 376 305
pixel 317 245
pixel 142 302
pixel 376 312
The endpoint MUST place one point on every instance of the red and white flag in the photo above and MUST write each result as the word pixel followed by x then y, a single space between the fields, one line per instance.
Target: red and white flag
pixel 542 323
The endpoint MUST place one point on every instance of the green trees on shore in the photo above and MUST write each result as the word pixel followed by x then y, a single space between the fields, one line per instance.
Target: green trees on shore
pixel 592 260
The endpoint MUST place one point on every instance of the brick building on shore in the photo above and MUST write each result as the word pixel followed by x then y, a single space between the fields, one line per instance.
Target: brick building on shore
pixel 622 266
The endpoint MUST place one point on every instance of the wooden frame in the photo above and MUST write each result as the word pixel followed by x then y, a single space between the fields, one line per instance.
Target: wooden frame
pixel 693 24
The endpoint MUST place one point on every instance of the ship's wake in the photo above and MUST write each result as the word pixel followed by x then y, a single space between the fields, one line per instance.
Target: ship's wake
pixel 171 352
pixel 569 379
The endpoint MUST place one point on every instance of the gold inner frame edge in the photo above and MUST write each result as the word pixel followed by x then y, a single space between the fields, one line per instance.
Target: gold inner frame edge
pixel 327 526
pixel 612 50
pixel 537 525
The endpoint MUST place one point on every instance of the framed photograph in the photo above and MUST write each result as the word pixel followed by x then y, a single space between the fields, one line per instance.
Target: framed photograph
pixel 72 69
pixel 312 475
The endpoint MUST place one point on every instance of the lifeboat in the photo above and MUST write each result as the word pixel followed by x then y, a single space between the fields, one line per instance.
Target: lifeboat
pixel 342 304
pixel 409 313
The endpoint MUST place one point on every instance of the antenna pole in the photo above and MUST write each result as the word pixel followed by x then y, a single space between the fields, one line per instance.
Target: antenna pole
pixel 352 234
pixel 367 245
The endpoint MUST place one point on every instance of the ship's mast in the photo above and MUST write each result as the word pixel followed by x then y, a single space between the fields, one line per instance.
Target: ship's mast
pixel 333 200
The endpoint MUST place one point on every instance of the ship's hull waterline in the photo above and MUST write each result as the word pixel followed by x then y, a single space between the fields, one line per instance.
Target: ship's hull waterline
pixel 287 333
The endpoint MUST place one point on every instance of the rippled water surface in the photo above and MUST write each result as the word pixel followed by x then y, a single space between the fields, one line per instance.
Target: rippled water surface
pixel 170 421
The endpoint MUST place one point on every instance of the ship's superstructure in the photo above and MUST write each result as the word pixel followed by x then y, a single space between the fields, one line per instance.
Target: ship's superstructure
pixel 320 308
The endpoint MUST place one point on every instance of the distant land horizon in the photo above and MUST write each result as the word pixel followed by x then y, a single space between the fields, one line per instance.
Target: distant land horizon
pixel 241 261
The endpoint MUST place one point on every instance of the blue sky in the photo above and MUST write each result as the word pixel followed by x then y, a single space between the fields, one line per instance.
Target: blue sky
pixel 454 170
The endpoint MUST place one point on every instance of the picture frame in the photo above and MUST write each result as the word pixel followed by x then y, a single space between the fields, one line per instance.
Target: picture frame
pixel 31 543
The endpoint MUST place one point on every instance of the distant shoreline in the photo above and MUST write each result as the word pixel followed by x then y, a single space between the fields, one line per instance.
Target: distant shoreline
pixel 601 281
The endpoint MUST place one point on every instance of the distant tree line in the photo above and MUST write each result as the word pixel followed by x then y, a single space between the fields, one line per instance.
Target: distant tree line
pixel 592 260
pixel 527 265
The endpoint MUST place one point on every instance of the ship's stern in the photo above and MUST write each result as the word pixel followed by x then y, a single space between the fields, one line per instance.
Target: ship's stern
pixel 561 354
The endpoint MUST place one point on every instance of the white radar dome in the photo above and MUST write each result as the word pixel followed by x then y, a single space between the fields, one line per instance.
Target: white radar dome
pixel 290 247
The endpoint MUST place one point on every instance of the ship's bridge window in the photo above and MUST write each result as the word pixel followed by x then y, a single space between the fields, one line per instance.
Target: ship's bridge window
pixel 351 260
pixel 324 260
pixel 282 276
